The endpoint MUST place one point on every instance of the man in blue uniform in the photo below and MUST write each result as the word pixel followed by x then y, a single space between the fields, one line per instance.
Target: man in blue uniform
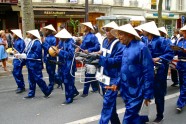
pixel 136 76
pixel 89 44
pixel 181 67
pixel 18 46
pixel 35 65
pixel 167 42
pixel 67 66
pixel 161 54
pixel 51 40
pixel 110 64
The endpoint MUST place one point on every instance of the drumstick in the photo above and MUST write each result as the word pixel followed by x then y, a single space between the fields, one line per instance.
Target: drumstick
pixel 78 47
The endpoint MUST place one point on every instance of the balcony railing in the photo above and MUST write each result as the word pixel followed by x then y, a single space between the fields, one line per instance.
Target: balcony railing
pixel 49 1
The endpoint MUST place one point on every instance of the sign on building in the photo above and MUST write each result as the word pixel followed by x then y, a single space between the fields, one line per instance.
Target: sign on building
pixel 97 1
pixel 9 1
pixel 73 1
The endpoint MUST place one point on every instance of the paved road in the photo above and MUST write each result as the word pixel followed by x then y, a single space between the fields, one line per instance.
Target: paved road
pixel 16 110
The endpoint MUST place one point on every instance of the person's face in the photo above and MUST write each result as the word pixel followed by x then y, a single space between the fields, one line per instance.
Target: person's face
pixel 85 28
pixel 184 34
pixel 28 35
pixel 145 33
pixel 46 32
pixel 32 37
pixel 15 36
pixel 124 38
pixel 108 33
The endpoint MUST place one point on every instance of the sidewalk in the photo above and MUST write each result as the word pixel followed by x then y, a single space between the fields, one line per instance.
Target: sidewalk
pixel 9 67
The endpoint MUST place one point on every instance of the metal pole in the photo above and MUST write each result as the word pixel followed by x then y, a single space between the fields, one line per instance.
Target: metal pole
pixel 86 10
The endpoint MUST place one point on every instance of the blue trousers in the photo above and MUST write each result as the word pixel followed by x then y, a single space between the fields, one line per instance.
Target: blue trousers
pixel 182 98
pixel 109 108
pixel 132 111
pixel 36 76
pixel 70 88
pixel 160 89
pixel 93 84
pixel 18 76
pixel 50 68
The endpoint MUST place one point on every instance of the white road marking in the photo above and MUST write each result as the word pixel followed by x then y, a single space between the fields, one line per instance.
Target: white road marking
pixel 119 111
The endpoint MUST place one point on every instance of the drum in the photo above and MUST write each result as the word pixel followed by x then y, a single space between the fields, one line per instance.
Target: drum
pixel 90 69
pixel 53 51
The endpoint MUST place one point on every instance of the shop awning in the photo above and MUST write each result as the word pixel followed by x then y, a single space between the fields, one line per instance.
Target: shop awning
pixel 15 8
pixel 127 17
pixel 59 9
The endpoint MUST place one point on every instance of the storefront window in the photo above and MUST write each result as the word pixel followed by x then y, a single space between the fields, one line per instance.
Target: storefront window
pixel 167 4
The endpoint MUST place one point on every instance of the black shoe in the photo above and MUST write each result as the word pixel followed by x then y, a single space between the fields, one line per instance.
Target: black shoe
pixel 48 94
pixel 84 95
pixel 96 91
pixel 66 103
pixel 119 95
pixel 29 97
pixel 76 94
pixel 20 90
pixel 174 85
pixel 158 120
pixel 179 109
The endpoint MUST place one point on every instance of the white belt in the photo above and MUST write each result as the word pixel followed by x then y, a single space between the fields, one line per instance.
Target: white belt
pixel 182 60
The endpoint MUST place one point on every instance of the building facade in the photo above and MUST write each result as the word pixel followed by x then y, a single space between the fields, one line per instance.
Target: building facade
pixel 9 14
pixel 59 12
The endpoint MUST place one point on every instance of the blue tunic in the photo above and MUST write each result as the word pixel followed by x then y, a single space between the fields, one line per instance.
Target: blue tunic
pixel 35 65
pixel 112 65
pixel 50 40
pixel 181 67
pixel 136 80
pixel 19 46
pixel 90 43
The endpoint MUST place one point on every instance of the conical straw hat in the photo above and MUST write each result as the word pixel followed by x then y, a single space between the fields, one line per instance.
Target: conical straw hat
pixel 162 29
pixel 88 24
pixel 151 28
pixel 183 28
pixel 63 34
pixel 35 33
pixel 110 25
pixel 125 28
pixel 50 27
pixel 18 33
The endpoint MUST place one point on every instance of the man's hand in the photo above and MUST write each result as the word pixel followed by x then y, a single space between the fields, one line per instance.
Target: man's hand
pixel 147 102
pixel 85 51
pixel 42 39
pixel 77 49
pixel 113 88
pixel 155 59
pixel 184 50
pixel 99 52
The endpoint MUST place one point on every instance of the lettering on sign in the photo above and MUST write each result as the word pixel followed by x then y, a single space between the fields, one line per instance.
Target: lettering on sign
pixel 53 13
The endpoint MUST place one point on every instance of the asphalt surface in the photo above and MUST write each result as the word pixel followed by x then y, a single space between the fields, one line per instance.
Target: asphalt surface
pixel 14 109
